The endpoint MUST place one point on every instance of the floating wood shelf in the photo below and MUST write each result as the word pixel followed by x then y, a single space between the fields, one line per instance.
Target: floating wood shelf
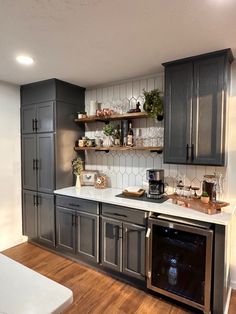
pixel 157 149
pixel 127 116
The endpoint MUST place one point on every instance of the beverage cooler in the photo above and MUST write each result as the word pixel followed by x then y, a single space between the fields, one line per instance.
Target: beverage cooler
pixel 179 260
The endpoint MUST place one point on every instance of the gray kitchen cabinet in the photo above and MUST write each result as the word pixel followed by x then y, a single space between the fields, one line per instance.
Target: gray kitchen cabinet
pixel 87 238
pixel 28 116
pixel 65 229
pixel 45 117
pixel 134 250
pixel 48 109
pixel 38 162
pixel 46 218
pixel 77 227
pixel 195 109
pixel 123 240
pixel 38 217
pixel 209 111
pixel 45 162
pixel 178 90
pixel 111 244
pixel 29 156
pixel 37 118
pixel 29 214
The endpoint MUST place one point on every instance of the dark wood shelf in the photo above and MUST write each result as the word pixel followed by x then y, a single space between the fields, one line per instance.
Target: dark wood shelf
pixel 127 116
pixel 157 149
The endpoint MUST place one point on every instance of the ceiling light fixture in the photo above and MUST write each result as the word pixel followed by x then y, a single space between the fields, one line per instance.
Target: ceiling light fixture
pixel 25 60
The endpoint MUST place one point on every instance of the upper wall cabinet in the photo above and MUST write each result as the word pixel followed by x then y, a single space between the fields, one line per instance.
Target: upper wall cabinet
pixel 37 118
pixel 195 109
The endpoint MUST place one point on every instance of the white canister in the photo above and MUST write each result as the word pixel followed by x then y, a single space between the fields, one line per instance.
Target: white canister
pixel 92 108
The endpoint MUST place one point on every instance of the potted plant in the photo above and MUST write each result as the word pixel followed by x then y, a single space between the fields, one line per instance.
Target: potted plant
pixel 153 104
pixel 108 131
pixel 205 198
pixel 77 165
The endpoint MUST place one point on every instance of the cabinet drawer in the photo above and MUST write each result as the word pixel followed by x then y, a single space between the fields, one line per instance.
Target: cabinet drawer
pixel 77 204
pixel 124 214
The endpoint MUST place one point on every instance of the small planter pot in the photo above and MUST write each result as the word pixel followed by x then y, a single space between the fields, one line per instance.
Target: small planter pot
pixel 205 199
pixel 160 117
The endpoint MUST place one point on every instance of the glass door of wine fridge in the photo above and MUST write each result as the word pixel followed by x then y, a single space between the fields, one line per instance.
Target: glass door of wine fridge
pixel 179 261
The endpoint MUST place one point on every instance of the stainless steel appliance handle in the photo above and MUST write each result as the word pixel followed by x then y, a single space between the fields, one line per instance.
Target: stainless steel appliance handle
pixel 148 271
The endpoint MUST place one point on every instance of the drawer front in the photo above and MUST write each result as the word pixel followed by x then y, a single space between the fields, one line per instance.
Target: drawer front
pixel 124 213
pixel 77 204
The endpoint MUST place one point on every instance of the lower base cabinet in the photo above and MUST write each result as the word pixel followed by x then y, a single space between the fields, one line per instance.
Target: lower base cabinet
pixel 38 217
pixel 77 233
pixel 123 247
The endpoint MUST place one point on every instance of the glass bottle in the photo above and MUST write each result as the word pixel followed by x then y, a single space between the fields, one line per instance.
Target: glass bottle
pixel 117 136
pixel 173 272
pixel 130 136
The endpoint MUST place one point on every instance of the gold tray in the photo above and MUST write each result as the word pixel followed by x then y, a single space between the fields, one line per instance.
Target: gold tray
pixel 139 193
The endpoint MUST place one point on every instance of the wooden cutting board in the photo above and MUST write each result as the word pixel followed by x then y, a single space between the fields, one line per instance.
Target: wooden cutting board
pixel 195 203
pixel 137 194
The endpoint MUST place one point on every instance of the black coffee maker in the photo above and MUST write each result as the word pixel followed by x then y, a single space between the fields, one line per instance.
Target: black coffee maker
pixel 156 186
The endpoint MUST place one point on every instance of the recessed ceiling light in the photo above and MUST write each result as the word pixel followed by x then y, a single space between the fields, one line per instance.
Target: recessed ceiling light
pixel 25 60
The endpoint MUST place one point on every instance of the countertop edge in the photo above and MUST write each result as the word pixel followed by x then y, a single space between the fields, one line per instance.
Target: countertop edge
pixel 108 196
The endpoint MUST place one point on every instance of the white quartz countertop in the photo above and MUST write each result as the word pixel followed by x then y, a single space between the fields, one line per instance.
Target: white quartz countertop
pixel 109 196
pixel 24 291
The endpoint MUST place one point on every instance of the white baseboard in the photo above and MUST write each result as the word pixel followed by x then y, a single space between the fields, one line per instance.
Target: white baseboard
pixel 228 301
pixel 233 284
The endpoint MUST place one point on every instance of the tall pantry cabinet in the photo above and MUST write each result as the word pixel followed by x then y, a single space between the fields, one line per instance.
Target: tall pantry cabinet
pixel 48 109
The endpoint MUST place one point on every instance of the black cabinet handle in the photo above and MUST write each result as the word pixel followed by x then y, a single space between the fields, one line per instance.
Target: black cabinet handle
pixel 73 204
pixel 34 164
pixel 187 152
pixel 33 125
pixel 192 152
pixel 73 220
pixel 38 200
pixel 116 214
pixel 34 200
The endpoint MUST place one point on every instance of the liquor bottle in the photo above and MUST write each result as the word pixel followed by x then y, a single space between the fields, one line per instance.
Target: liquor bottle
pixel 117 136
pixel 124 132
pixel 130 136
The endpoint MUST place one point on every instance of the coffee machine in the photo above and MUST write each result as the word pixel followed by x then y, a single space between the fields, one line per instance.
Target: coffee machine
pixel 156 186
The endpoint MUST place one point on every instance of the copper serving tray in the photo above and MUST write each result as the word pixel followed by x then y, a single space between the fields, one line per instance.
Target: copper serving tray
pixel 195 203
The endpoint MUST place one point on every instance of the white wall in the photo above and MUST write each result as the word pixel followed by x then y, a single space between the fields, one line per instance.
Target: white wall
pixel 231 168
pixel 10 169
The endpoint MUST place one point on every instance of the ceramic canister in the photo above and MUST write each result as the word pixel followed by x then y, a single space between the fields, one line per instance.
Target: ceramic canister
pixel 92 108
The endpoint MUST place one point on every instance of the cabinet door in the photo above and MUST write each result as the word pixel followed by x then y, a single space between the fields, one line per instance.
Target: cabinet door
pixel 134 250
pixel 65 229
pixel 29 211
pixel 46 221
pixel 28 116
pixel 208 112
pixel 111 244
pixel 29 172
pixel 87 236
pixel 45 117
pixel 178 93
pixel 45 162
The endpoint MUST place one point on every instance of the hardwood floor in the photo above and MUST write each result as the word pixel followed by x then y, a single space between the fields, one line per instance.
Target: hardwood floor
pixel 93 291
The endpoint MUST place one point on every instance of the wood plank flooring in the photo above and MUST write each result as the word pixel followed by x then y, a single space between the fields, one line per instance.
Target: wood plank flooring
pixel 93 291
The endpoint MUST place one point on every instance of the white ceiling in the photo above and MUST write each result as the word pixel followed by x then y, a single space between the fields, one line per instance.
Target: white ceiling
pixel 93 42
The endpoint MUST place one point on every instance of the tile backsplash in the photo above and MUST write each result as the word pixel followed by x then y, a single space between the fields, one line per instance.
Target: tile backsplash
pixel 129 168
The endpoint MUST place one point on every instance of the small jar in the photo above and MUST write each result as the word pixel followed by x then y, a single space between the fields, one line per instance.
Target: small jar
pixel 81 143
pixel 80 115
